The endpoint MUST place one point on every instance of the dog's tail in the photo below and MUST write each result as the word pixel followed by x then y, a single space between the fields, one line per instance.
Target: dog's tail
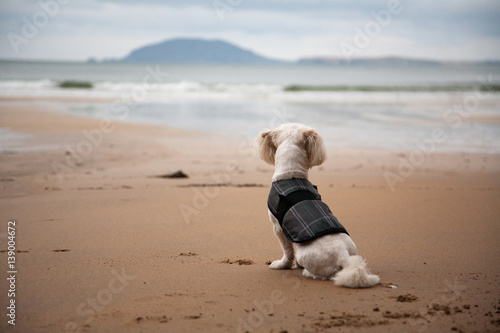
pixel 355 275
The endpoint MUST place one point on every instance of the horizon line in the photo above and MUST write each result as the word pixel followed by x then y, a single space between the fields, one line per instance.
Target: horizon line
pixel 291 62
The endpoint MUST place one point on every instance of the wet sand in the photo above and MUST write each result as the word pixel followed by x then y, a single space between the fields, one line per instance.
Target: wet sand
pixel 104 245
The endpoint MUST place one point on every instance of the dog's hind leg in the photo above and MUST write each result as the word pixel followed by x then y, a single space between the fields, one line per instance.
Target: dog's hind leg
pixel 308 274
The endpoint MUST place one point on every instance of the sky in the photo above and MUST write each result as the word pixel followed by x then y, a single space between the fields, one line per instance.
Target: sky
pixel 76 30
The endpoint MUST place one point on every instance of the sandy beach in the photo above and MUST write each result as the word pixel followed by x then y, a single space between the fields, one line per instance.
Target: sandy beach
pixel 103 244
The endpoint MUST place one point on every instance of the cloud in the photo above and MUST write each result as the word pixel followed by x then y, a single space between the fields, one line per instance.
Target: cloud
pixel 286 29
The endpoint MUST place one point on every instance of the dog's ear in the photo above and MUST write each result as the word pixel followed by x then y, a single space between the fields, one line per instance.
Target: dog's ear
pixel 314 147
pixel 267 149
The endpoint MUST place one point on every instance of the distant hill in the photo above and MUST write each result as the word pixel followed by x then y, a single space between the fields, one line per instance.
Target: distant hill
pixel 202 51
pixel 199 51
pixel 390 61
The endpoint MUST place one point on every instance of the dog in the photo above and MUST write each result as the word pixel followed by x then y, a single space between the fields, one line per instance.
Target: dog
pixel 309 234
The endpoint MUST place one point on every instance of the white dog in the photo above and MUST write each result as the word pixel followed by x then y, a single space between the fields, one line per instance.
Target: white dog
pixel 305 227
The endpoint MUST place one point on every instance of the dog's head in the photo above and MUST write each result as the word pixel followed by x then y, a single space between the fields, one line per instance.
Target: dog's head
pixel 301 141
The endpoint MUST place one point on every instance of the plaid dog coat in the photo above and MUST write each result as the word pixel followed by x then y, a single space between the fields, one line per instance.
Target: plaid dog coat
pixel 302 215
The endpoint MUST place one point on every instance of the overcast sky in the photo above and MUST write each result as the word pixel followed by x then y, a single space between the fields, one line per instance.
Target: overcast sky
pixel 284 29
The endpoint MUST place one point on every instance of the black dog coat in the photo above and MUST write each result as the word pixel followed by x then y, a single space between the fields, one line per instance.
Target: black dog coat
pixel 297 206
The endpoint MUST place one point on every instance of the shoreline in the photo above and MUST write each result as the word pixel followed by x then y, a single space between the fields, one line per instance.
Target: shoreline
pixel 108 246
pixel 38 103
pixel 474 130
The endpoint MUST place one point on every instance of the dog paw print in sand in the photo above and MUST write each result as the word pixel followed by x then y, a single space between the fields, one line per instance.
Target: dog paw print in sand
pixel 239 262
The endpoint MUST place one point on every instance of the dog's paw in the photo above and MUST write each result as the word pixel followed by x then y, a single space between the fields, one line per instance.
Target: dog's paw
pixel 281 264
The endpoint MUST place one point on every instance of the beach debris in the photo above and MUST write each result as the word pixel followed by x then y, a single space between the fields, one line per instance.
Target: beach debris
pixel 222 185
pixel 346 319
pixel 177 174
pixel 406 298
pixel 61 250
pixel 193 316
pixel 388 285
pixel 188 254
pixel 396 315
pixel 175 294
pixel 239 262
pixel 205 185
pixel 159 319
pixel 439 307
pixel 90 188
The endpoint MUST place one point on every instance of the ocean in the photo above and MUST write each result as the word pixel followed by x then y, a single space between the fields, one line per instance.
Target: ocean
pixel 351 107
